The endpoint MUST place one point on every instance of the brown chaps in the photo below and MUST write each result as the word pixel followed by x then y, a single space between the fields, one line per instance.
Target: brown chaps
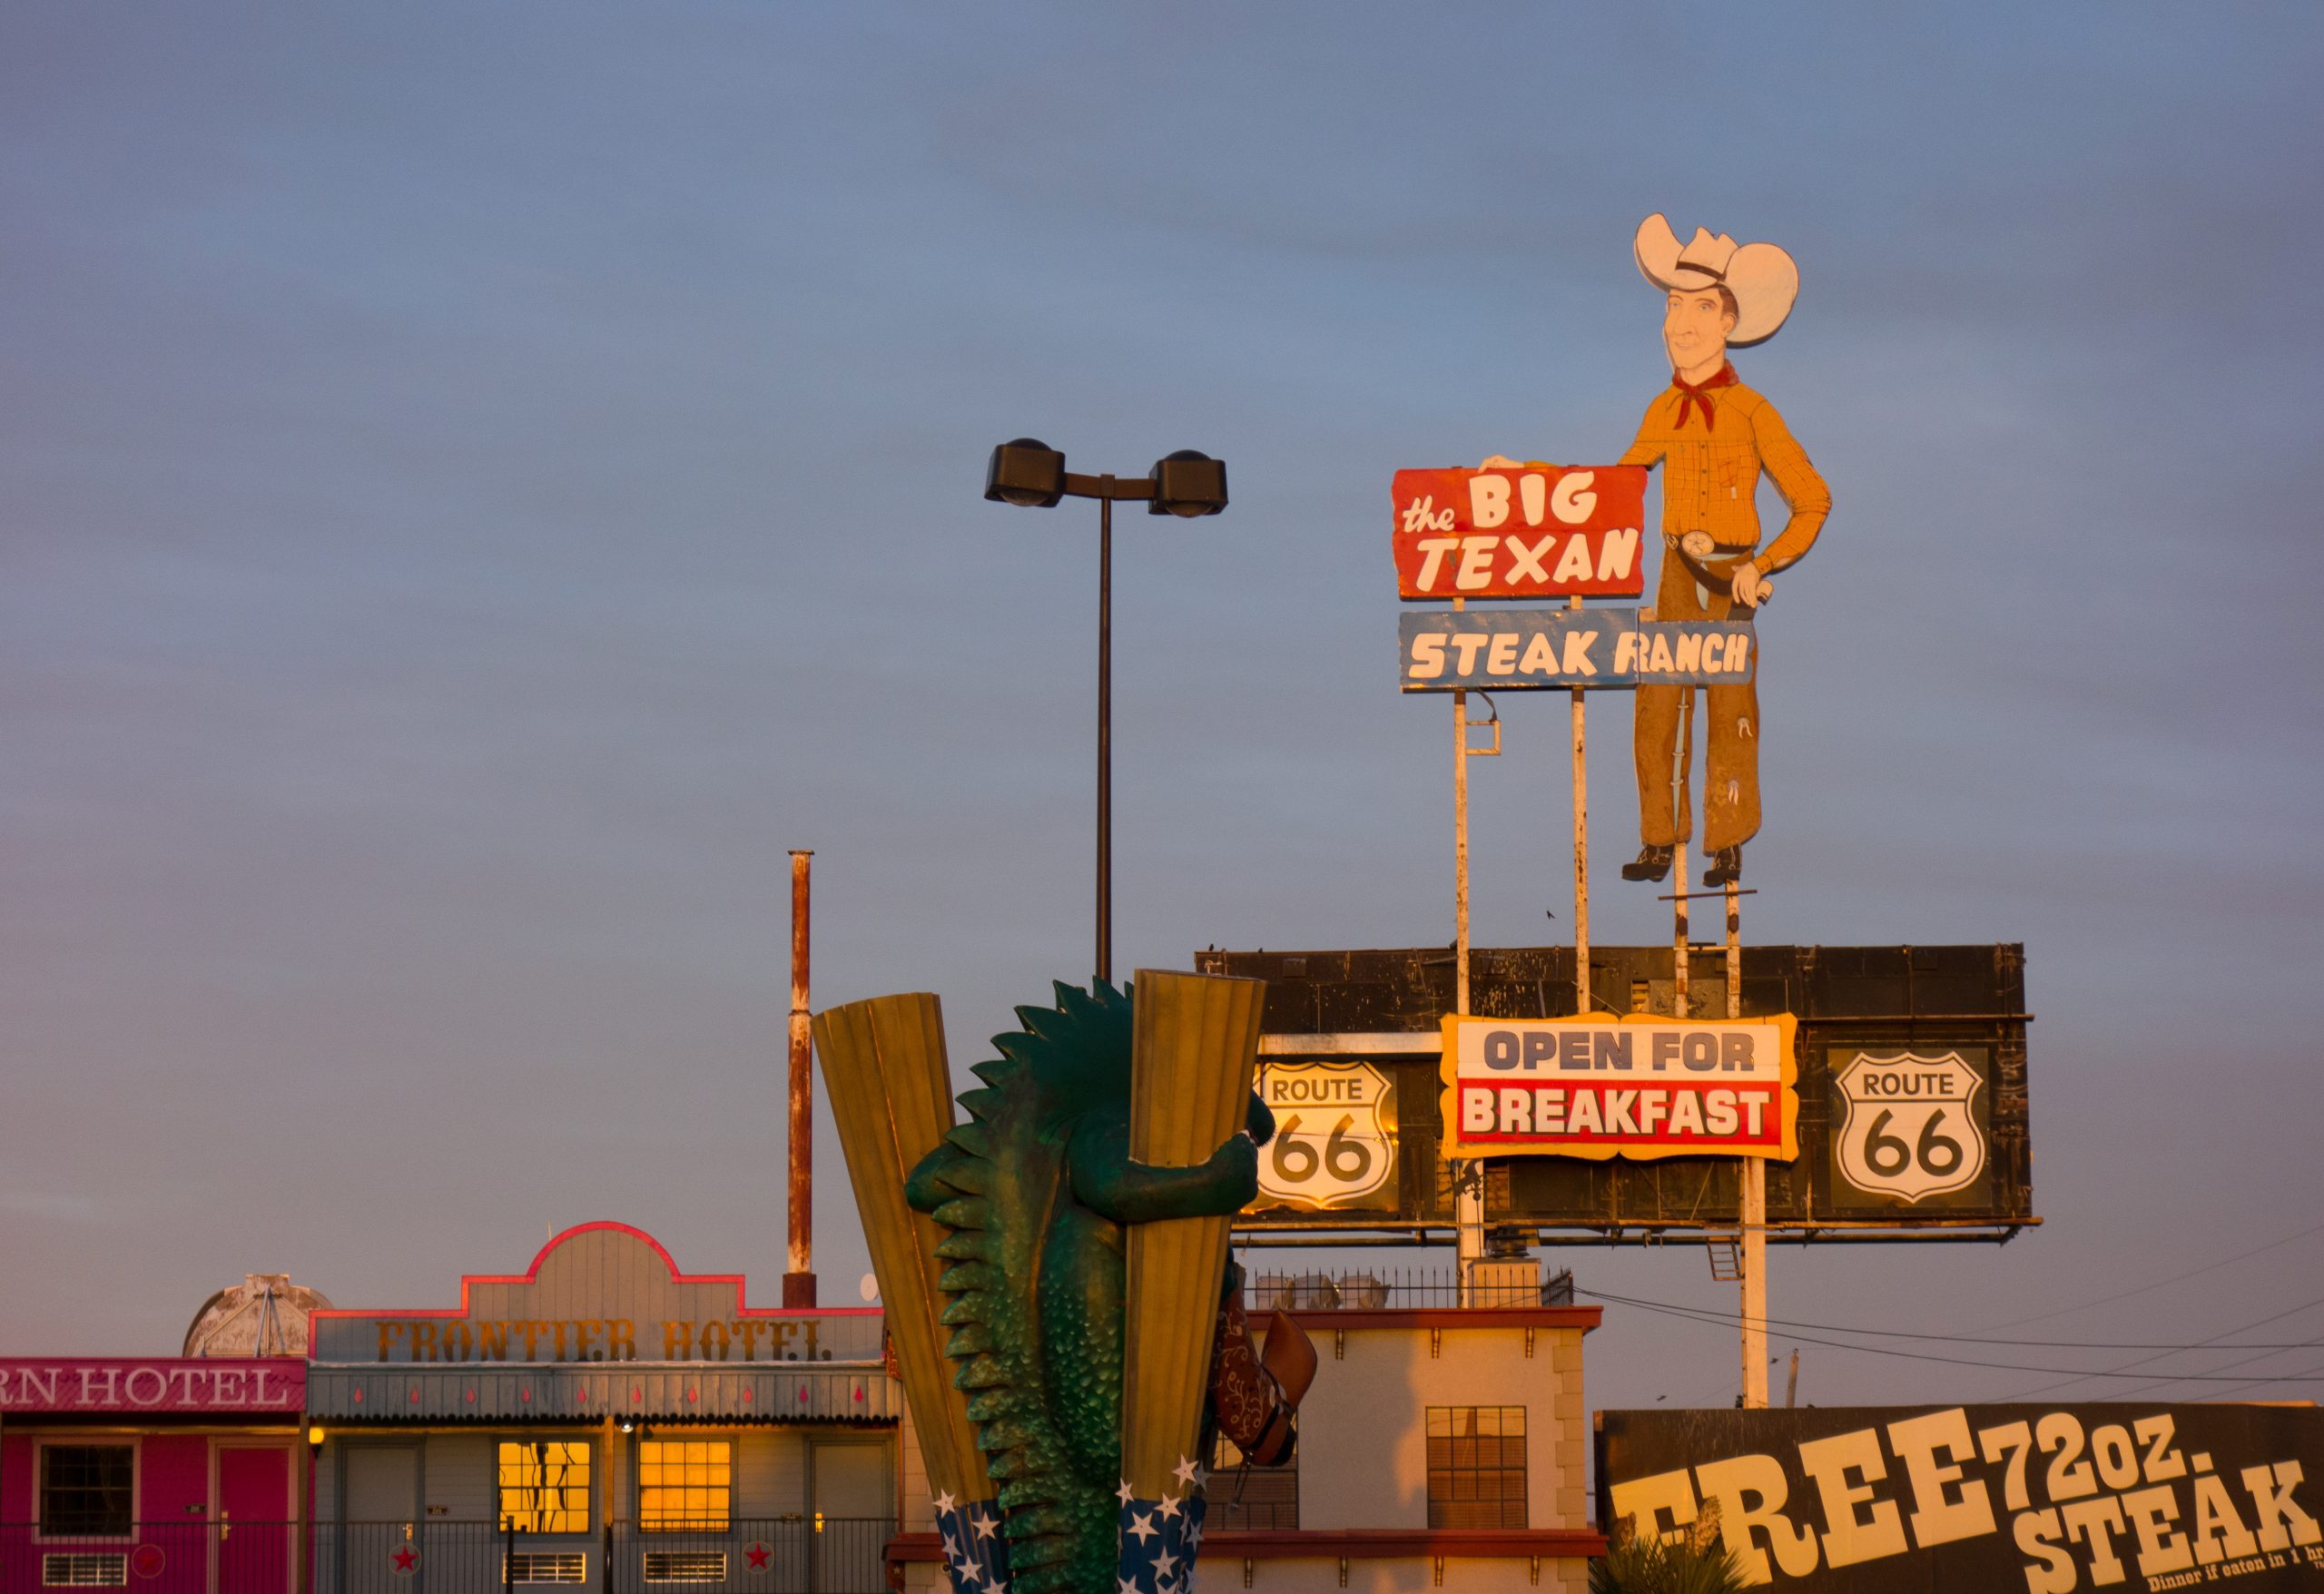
pixel 1731 718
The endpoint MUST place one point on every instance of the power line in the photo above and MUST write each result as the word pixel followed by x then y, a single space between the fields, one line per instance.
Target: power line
pixel 2142 1361
pixel 1959 1339
pixel 2072 1374
pixel 2158 1284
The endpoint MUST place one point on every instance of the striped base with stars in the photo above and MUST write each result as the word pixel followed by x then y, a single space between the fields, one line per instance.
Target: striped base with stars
pixel 1161 1537
pixel 975 1553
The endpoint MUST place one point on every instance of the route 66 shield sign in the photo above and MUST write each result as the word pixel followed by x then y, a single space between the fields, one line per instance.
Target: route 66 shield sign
pixel 1909 1130
pixel 1335 1141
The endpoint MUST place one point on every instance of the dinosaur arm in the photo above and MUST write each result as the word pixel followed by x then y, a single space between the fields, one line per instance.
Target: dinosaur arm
pixel 1109 1182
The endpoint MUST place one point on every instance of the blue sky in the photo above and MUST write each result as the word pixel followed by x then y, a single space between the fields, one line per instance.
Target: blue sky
pixel 479 483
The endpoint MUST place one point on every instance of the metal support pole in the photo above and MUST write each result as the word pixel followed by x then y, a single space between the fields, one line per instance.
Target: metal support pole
pixel 1460 852
pixel 1469 1195
pixel 1753 1214
pixel 1106 730
pixel 799 1280
pixel 1583 1004
pixel 1679 956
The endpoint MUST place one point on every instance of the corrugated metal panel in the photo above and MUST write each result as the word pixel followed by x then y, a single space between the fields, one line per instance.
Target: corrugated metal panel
pixel 770 1474
pixel 830 1391
pixel 463 1474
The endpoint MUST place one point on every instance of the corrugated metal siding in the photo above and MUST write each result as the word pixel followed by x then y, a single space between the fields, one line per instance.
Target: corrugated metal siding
pixel 770 1474
pixel 463 1476
pixel 829 1392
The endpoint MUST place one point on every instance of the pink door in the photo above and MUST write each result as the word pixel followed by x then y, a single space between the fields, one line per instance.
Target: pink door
pixel 256 1535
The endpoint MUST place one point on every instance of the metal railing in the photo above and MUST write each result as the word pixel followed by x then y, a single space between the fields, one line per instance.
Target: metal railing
pixel 780 1555
pixel 192 1555
pixel 786 1555
pixel 1382 1289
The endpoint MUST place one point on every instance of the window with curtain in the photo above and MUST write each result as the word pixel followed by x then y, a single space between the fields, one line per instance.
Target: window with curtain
pixel 544 1485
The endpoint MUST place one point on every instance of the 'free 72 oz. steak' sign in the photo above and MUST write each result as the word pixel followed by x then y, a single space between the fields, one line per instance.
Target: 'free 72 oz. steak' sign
pixel 1527 533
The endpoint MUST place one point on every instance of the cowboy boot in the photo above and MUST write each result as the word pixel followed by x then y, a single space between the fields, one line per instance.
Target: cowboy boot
pixel 1725 867
pixel 1652 862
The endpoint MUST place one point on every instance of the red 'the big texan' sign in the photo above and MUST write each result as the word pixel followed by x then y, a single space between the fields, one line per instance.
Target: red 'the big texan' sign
pixel 1528 532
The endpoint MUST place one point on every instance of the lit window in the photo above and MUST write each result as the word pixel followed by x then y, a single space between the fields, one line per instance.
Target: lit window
pixel 1476 1466
pixel 545 1486
pixel 686 1484
pixel 86 1490
pixel 1243 1494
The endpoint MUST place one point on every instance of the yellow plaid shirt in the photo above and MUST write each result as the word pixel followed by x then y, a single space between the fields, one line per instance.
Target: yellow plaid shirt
pixel 1710 474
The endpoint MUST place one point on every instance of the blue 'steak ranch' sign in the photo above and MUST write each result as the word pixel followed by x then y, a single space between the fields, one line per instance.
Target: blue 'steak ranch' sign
pixel 1500 649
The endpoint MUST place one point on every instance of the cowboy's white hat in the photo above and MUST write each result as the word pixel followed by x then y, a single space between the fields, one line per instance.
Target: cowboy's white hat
pixel 1761 276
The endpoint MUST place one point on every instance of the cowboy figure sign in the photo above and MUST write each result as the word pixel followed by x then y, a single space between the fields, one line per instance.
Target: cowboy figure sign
pixel 1713 437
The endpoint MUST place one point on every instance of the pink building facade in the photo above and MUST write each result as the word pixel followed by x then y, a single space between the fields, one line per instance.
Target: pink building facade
pixel 163 1475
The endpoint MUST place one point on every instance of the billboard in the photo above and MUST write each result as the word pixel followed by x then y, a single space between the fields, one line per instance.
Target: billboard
pixel 2047 1498
pixel 1636 1086
pixel 1912 1112
pixel 1538 532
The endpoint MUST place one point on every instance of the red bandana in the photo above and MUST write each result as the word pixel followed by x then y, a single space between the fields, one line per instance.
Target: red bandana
pixel 1702 396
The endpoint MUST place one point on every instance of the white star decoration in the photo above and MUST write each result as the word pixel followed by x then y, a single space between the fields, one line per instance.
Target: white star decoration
pixel 984 1525
pixel 1141 1528
pixel 1123 1586
pixel 1163 1563
pixel 993 1584
pixel 1124 1493
pixel 1188 1473
pixel 1169 1509
pixel 944 1503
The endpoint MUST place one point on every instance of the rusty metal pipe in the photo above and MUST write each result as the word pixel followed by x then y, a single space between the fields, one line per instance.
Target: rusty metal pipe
pixel 799 1277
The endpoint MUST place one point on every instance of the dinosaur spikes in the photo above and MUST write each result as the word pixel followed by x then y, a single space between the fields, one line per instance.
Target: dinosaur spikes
pixel 970 1176
pixel 992 1405
pixel 964 1245
pixel 1039 1521
pixel 1017 1052
pixel 964 1276
pixel 969 1213
pixel 973 1138
pixel 1025 1491
pixel 969 1340
pixel 983 1372
pixel 1041 1023
pixel 966 1309
pixel 1006 1466
pixel 984 1103
pixel 1009 1435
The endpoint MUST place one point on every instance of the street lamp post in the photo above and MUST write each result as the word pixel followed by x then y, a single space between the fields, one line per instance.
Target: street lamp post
pixel 1029 473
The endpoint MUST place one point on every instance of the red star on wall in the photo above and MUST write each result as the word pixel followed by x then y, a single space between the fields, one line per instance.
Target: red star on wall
pixel 405 1559
pixel 758 1554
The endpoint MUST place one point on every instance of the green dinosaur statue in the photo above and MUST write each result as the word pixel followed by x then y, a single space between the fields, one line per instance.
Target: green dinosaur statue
pixel 1035 1190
